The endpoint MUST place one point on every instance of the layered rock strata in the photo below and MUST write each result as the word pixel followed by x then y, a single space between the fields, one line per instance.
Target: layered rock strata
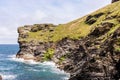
pixel 95 56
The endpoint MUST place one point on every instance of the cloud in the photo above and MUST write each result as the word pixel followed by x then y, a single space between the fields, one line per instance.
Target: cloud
pixel 15 13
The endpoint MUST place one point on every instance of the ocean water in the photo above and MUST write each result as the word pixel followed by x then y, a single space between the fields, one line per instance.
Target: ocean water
pixel 18 69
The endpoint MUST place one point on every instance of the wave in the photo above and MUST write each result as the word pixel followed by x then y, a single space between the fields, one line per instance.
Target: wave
pixel 54 68
pixel 5 68
pixel 66 78
pixel 8 77
pixel 47 64
pixel 13 58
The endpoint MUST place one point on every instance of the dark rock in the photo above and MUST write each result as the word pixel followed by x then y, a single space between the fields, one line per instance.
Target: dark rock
pixel 104 27
pixel 117 67
pixel 98 15
pixel 115 1
pixel 38 27
pixel 116 33
pixel 24 35
pixel 34 29
pixel 90 20
pixel 89 58
pixel 0 77
pixel 83 59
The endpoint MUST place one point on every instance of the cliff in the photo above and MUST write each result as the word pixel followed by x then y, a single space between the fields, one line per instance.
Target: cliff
pixel 88 48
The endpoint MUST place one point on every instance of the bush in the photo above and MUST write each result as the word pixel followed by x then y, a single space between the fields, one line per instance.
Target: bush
pixel 48 54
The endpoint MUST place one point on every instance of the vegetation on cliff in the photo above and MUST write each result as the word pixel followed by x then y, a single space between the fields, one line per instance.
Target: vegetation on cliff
pixel 48 54
pixel 75 29
pixel 88 47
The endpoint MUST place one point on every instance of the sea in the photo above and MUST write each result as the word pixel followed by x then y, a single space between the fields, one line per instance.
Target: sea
pixel 12 68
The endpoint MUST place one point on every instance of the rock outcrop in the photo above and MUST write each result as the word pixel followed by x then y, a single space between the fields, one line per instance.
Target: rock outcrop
pixel 30 48
pixel 90 54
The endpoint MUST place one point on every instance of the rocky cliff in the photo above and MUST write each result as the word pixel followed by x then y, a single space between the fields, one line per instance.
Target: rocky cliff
pixel 88 48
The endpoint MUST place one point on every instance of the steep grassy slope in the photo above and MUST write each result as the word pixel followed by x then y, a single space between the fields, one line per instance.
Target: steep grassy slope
pixel 88 48
pixel 77 28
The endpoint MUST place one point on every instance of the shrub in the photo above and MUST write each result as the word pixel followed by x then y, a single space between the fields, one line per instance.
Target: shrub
pixel 49 54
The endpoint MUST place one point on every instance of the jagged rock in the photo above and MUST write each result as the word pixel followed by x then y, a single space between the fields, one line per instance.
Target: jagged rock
pixel 92 57
pixel 104 27
pixel 38 27
pixel 81 57
pixel 91 19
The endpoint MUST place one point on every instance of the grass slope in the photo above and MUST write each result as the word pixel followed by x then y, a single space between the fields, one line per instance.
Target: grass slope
pixel 80 27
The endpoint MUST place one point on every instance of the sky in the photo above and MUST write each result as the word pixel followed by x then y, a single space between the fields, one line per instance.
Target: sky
pixel 16 13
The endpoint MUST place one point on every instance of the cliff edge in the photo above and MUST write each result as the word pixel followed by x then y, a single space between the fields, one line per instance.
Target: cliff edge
pixel 88 48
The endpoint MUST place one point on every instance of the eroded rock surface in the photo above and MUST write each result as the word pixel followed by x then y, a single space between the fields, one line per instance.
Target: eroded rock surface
pixel 88 58
pixel 93 57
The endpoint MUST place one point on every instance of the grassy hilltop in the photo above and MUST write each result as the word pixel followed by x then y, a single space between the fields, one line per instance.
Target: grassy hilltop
pixel 77 28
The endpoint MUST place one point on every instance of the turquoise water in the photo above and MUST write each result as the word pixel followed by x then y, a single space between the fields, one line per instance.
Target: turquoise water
pixel 17 69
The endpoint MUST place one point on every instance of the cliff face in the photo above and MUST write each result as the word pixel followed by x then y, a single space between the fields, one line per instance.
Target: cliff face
pixel 88 47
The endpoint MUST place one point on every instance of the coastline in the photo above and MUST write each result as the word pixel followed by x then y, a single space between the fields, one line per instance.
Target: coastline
pixel 88 51
pixel 54 68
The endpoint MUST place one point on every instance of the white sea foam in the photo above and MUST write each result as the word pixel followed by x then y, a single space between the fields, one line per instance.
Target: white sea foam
pixel 54 69
pixel 47 64
pixel 36 70
pixel 66 78
pixel 13 57
pixel 8 77
pixel 6 68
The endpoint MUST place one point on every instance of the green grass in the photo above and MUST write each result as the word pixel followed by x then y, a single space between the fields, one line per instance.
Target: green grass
pixel 117 49
pixel 48 54
pixel 61 59
pixel 77 28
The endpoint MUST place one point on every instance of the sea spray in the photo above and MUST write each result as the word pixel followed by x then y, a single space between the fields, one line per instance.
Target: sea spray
pixel 45 65
pixel 8 76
